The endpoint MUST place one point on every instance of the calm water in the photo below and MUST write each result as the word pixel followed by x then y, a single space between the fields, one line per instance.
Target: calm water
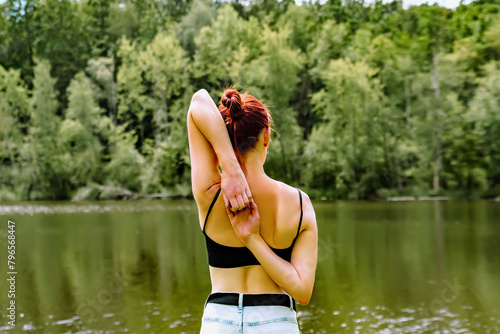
pixel 141 267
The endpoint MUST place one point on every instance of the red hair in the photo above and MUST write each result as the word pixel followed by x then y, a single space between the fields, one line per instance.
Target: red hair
pixel 245 118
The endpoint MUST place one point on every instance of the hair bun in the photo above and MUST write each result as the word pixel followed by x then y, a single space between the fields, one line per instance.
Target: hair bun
pixel 232 101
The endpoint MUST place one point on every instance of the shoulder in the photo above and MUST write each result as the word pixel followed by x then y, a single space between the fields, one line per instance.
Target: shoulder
pixel 296 192
pixel 295 195
pixel 308 213
pixel 309 218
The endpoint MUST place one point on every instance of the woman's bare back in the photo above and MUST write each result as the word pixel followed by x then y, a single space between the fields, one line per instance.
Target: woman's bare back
pixel 279 209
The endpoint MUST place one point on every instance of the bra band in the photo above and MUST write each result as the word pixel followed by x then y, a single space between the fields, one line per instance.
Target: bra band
pixel 222 256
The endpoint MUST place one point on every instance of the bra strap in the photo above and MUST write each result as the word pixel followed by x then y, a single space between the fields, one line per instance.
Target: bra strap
pixel 301 214
pixel 211 206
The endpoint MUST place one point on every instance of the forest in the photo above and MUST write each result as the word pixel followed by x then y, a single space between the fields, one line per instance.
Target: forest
pixel 369 100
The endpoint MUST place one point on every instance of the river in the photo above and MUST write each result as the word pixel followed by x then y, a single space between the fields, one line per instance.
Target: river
pixel 141 267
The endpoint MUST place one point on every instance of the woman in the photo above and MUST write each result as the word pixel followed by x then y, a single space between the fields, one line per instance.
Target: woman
pixel 261 236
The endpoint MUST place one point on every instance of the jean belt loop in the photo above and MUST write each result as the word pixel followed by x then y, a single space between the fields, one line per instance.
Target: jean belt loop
pixel 240 300
pixel 291 303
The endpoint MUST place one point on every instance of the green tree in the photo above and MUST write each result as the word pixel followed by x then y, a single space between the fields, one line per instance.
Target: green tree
pixel 463 168
pixel 350 104
pixel 62 41
pixel 164 66
pixel 126 165
pixel 484 111
pixel 77 161
pixel 101 71
pixel 332 39
pixel 218 45
pixel 42 146
pixel 372 98
pixel 275 77
pixel 432 24
pixel 14 117
pixel 268 11
pixel 95 16
pixel 492 36
pixel 133 103
pixel 200 15
pixel 20 25
pixel 165 69
pixel 300 23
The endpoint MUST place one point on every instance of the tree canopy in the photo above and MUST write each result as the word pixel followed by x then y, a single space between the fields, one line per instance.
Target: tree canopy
pixel 368 100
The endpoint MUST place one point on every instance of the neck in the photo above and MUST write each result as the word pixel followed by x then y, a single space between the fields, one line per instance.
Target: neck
pixel 252 166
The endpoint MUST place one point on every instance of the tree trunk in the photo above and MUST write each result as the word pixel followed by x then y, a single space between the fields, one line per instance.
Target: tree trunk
pixel 437 129
pixel 354 149
pixel 29 38
pixel 165 100
pixel 407 102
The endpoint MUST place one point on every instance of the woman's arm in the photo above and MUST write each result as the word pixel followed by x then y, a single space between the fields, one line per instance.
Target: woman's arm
pixel 295 277
pixel 209 147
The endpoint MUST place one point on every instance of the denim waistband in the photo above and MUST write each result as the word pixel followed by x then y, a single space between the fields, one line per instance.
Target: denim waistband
pixel 243 299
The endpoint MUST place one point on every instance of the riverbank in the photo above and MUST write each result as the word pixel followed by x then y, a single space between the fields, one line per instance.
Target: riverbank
pixel 95 192
pixel 100 192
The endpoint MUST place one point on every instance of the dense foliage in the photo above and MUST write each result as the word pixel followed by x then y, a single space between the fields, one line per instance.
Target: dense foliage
pixel 368 100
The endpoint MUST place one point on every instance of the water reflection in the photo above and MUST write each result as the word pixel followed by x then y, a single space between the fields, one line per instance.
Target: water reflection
pixel 141 267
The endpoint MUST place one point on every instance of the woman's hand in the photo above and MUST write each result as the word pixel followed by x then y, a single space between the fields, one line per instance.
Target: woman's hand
pixel 245 222
pixel 235 189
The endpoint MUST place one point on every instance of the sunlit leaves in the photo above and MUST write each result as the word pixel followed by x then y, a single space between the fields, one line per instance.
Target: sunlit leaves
pixel 216 45
pixel 78 147
pixel 81 104
pixel 350 104
pixel 200 15
pixel 101 71
pixel 485 111
pixel 126 165
pixel 366 99
pixel 492 36
pixel 164 66
pixel 43 100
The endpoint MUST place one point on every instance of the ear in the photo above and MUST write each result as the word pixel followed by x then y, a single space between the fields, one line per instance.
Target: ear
pixel 267 137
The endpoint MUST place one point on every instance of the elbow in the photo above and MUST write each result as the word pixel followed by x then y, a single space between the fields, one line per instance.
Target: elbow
pixel 304 300
pixel 303 296
pixel 200 99
pixel 197 99
pixel 200 95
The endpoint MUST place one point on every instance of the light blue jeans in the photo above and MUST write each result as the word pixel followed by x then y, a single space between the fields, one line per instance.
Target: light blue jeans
pixel 267 319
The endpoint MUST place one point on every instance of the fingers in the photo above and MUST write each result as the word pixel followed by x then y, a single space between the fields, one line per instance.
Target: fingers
pixel 234 204
pixel 239 204
pixel 229 202
pixel 229 212
pixel 253 209
pixel 245 199
pixel 228 205
pixel 249 195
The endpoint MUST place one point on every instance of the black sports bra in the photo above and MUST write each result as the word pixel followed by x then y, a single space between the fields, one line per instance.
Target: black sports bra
pixel 220 256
